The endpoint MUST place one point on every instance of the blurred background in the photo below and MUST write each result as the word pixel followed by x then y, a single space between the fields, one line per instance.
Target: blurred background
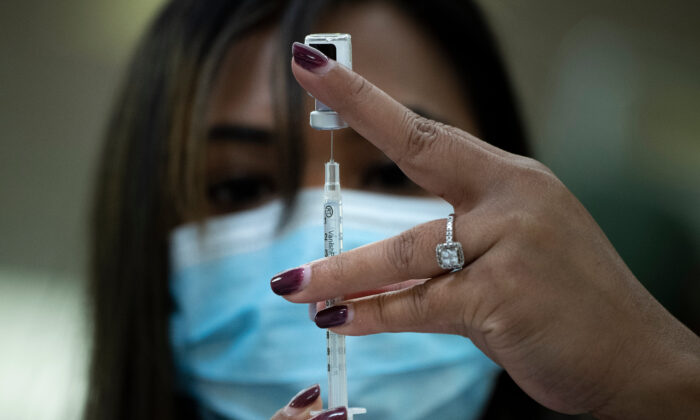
pixel 610 93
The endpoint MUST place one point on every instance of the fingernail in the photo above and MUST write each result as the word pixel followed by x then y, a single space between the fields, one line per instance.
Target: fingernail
pixel 302 400
pixel 333 316
pixel 340 413
pixel 309 58
pixel 290 281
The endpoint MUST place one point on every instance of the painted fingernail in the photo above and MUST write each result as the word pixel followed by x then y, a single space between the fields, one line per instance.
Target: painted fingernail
pixel 290 281
pixel 302 400
pixel 340 413
pixel 309 58
pixel 333 316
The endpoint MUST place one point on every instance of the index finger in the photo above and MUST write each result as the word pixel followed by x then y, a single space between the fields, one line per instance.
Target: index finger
pixel 442 159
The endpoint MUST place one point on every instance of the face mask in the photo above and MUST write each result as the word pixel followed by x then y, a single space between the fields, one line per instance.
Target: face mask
pixel 243 351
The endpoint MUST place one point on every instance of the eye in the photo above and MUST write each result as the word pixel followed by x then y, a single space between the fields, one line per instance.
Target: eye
pixel 387 177
pixel 239 193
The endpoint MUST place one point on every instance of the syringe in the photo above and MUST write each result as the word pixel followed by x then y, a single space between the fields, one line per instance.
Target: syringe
pixel 333 245
pixel 337 47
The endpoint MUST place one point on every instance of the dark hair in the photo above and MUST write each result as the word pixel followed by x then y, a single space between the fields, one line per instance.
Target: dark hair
pixel 151 171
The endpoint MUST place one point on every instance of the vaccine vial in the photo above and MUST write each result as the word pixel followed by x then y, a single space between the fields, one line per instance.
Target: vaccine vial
pixel 339 48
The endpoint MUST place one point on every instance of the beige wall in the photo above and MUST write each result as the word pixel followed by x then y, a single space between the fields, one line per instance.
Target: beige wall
pixel 611 93
pixel 61 61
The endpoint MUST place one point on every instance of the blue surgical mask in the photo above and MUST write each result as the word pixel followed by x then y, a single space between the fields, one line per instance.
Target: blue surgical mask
pixel 243 351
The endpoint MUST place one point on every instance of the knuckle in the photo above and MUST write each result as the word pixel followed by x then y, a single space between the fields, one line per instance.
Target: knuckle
pixel 513 267
pixel 359 90
pixel 530 229
pixel 533 164
pixel 359 86
pixel 382 313
pixel 418 304
pixel 421 134
pixel 334 267
pixel 520 221
pixel 486 281
pixel 533 173
pixel 400 251
pixel 403 311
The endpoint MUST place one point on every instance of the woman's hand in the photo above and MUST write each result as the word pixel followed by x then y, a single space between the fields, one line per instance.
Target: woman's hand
pixel 305 402
pixel 543 292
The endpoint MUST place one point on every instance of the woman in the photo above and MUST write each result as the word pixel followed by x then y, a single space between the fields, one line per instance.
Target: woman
pixel 211 123
pixel 209 73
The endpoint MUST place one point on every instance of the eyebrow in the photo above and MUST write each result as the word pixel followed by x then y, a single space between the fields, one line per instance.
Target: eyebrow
pixel 239 133
pixel 250 134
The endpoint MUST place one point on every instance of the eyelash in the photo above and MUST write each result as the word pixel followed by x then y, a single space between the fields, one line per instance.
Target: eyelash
pixel 241 192
pixel 247 191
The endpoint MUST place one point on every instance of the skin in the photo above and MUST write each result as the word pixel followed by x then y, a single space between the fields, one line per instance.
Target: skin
pixel 544 293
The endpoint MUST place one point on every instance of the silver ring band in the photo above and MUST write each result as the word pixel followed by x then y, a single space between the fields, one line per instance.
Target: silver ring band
pixel 449 254
pixel 448 228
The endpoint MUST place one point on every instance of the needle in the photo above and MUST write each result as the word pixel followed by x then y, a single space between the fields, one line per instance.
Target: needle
pixel 331 145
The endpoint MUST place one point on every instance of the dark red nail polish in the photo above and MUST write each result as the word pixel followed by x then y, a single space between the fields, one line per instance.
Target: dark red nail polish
pixel 306 397
pixel 332 317
pixel 340 413
pixel 290 281
pixel 308 57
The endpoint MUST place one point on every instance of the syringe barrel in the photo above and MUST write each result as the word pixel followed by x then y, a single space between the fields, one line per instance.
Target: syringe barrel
pixel 332 211
pixel 333 245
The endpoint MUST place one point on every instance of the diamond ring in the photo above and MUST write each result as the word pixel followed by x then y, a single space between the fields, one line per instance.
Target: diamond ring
pixel 450 255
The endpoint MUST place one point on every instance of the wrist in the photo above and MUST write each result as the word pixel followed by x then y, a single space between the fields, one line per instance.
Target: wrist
pixel 663 384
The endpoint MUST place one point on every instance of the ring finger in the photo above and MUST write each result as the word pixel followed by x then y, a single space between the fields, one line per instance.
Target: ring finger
pixel 409 255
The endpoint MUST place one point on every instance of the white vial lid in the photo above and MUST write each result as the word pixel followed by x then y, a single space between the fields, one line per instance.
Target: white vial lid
pixel 326 120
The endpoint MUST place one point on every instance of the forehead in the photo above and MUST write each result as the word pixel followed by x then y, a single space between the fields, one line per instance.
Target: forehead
pixel 242 91
pixel 389 49
pixel 395 53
